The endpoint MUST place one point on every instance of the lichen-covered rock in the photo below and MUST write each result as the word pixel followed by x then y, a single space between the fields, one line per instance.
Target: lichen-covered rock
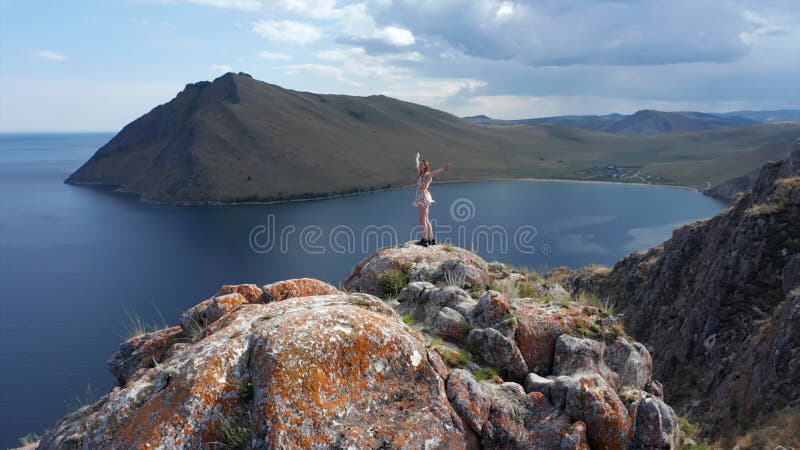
pixel 499 351
pixel 196 319
pixel 142 351
pixel 335 370
pixel 492 308
pixel 337 375
pixel 520 421
pixel 424 301
pixel 539 327
pixel 449 323
pixel 298 287
pixel 469 399
pixel 437 264
pixel 588 398
pixel 251 292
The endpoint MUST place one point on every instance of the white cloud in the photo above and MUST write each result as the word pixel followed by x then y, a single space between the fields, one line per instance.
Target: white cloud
pixel 270 55
pixel 395 36
pixel 434 93
pixel 287 31
pixel 221 68
pixel 320 9
pixel 51 55
pixel 244 5
pixel 505 11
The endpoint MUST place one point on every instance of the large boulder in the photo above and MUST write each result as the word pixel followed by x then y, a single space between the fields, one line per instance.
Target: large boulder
pixel 434 264
pixel 498 351
pixel 326 371
pixel 539 327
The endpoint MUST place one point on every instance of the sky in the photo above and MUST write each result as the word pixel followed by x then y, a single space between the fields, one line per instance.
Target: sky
pixel 96 65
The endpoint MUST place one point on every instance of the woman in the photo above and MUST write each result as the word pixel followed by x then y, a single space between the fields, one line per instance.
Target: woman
pixel 423 200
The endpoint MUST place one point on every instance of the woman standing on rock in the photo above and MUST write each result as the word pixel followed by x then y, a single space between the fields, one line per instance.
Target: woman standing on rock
pixel 423 199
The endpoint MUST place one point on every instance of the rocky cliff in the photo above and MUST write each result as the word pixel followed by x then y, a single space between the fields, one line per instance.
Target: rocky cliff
pixel 720 303
pixel 438 362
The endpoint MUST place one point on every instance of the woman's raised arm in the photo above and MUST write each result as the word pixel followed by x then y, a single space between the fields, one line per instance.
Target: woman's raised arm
pixel 444 167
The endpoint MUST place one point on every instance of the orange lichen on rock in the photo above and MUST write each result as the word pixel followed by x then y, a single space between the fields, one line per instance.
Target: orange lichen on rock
pixel 298 287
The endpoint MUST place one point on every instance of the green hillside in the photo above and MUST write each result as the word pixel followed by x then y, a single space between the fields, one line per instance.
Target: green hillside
pixel 238 139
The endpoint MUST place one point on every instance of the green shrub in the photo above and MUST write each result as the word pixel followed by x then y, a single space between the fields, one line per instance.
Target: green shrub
pixel 393 281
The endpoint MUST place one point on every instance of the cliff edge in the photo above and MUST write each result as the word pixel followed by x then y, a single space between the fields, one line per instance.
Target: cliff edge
pixel 720 301
pixel 439 362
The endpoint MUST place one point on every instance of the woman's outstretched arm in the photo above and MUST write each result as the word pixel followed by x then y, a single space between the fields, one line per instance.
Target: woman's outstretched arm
pixel 416 162
pixel 444 167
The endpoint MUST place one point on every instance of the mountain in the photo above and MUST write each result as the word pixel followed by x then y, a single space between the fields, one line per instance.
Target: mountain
pixel 642 122
pixel 655 122
pixel 427 365
pixel 237 139
pixel 782 115
pixel 719 303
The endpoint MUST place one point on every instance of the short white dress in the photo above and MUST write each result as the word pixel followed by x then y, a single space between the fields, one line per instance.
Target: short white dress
pixel 423 197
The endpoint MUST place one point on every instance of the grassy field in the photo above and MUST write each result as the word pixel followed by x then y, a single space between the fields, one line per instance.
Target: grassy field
pixel 238 139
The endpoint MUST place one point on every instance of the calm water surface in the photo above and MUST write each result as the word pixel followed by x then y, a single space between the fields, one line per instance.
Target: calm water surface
pixel 72 259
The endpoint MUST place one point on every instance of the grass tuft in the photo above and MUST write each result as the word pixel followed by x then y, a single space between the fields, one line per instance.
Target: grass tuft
pixel 488 373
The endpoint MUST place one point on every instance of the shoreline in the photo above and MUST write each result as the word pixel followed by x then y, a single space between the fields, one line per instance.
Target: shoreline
pixel 122 190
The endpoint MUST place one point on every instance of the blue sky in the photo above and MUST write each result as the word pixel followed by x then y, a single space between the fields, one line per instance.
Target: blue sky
pixel 95 65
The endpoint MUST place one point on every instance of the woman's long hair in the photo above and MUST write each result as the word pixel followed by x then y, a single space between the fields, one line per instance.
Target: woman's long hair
pixel 426 167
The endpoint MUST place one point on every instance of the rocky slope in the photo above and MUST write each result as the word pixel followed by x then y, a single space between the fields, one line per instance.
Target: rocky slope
pixel 300 364
pixel 237 139
pixel 720 301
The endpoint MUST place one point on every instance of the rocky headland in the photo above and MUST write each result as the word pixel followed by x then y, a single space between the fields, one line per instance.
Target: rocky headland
pixel 414 353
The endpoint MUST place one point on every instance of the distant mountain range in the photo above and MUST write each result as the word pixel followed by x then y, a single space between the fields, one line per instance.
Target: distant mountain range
pixel 655 122
pixel 238 139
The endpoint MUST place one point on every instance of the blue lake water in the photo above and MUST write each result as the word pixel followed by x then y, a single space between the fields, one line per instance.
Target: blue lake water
pixel 71 258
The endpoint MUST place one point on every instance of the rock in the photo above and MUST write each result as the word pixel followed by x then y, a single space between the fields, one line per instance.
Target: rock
pixel 251 292
pixel 424 301
pixel 469 399
pixel 142 351
pixel 299 287
pixel 499 351
pixel 631 361
pixel 535 383
pixel 539 327
pixel 520 421
pixel 715 303
pixel 588 398
pixel 334 370
pixel 655 424
pixel 576 355
pixel 450 323
pixel 492 308
pixel 195 320
pixel 435 264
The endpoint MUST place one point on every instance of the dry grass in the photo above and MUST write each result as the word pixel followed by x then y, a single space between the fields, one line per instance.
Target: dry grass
pixel 782 430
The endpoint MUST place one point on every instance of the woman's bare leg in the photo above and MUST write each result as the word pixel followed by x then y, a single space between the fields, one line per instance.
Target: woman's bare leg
pixel 423 217
pixel 428 223
pixel 428 227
